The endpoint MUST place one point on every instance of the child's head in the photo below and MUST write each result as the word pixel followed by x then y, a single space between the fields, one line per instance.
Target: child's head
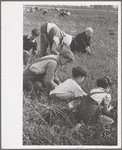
pixel 104 82
pixel 79 74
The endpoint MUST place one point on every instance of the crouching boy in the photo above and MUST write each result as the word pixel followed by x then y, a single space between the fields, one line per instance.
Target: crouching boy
pixel 71 87
pixel 95 104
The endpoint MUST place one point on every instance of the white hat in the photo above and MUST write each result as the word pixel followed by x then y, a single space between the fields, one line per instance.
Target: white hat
pixel 89 29
pixel 67 39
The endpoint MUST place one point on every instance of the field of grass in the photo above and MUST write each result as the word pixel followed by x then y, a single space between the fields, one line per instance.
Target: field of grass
pixel 44 121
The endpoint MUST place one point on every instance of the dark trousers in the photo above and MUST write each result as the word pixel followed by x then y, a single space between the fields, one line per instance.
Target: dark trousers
pixel 30 79
pixel 44 39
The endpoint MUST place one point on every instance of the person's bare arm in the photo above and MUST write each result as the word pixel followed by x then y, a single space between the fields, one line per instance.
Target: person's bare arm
pixel 53 49
pixel 106 108
pixel 50 71
pixel 56 79
pixel 106 104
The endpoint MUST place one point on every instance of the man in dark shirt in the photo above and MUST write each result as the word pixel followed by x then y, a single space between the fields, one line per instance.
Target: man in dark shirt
pixel 29 45
pixel 82 41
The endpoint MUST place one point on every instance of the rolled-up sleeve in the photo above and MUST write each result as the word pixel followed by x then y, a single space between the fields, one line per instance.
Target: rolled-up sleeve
pixel 50 74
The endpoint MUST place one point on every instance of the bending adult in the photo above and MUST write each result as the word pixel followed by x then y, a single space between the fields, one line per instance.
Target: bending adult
pixel 43 71
pixel 82 41
pixel 29 45
pixel 53 37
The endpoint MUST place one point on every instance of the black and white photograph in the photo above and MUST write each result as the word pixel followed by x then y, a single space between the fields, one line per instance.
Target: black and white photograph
pixel 61 74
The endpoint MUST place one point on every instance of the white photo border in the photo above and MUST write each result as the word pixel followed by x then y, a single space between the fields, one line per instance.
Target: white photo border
pixel 12 73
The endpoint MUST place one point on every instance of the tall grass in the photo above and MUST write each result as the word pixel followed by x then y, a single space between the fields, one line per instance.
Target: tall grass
pixel 48 124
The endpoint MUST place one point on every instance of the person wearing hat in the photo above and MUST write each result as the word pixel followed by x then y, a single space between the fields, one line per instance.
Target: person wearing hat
pixel 29 45
pixel 43 71
pixel 81 42
pixel 53 37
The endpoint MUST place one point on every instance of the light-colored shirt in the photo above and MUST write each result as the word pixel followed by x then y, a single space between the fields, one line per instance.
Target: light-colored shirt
pixel 40 66
pixel 55 33
pixel 68 89
pixel 49 26
pixel 100 97
pixel 47 65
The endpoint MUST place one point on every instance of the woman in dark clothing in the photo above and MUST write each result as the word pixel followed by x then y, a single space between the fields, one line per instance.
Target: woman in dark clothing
pixel 82 41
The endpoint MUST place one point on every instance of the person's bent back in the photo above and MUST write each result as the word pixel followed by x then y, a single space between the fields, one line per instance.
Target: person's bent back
pixel 43 71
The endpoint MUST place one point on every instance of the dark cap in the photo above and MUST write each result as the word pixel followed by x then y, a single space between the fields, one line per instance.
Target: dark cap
pixel 35 32
pixel 67 54
pixel 78 71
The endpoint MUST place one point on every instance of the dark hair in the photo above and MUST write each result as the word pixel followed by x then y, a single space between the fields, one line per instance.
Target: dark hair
pixel 78 71
pixel 35 32
pixel 103 82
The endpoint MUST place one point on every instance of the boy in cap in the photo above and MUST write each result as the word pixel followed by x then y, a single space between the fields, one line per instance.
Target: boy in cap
pixel 82 41
pixel 71 87
pixel 29 45
pixel 44 71
pixel 51 35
